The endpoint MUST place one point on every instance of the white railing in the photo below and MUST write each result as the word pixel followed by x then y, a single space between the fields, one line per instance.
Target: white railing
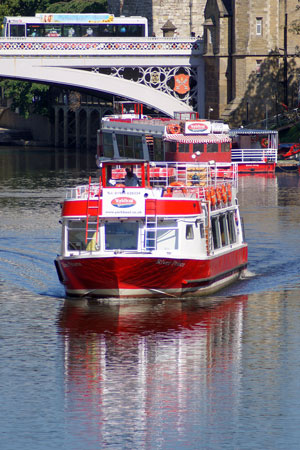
pixel 194 177
pixel 255 155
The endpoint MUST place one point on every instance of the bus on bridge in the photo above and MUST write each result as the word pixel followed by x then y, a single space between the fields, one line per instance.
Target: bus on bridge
pixel 75 25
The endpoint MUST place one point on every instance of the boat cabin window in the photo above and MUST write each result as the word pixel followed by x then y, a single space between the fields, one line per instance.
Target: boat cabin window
pixel 198 148
pixel 162 237
pixel 223 230
pixel 212 148
pixel 121 235
pixel 158 149
pixel 170 147
pixel 76 231
pixel 231 227
pixel 215 232
pixel 225 147
pixel 184 148
pixel 108 145
pixel 201 227
pixel 189 232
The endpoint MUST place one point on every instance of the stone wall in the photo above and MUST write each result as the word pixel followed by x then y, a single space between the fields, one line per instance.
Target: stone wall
pixel 187 16
pixel 249 79
pixel 39 126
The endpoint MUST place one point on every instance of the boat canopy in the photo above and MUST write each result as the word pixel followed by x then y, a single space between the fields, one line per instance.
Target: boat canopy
pixel 205 139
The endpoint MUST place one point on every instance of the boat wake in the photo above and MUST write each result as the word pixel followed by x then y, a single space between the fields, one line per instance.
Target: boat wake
pixel 248 274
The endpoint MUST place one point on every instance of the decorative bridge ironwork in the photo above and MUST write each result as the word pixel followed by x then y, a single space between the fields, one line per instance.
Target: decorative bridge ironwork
pixel 164 73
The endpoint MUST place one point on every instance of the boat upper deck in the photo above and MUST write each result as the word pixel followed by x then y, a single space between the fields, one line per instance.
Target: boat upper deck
pixel 160 180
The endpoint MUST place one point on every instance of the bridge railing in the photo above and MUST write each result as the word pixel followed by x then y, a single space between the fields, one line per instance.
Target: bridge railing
pixel 100 46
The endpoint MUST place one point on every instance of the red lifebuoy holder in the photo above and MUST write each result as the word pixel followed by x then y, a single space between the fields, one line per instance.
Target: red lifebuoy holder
pixel 264 142
pixel 173 128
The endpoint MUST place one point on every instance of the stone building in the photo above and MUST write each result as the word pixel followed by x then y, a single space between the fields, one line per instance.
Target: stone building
pixel 251 58
pixel 185 17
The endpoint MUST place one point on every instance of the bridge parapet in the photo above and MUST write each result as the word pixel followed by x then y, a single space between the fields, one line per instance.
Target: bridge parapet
pixel 100 47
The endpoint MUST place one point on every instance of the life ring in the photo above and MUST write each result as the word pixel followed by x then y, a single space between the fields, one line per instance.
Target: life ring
pixel 213 198
pixel 224 194
pixel 229 193
pixel 219 195
pixel 264 142
pixel 180 185
pixel 207 195
pixel 120 185
pixel 173 128
pixel 176 183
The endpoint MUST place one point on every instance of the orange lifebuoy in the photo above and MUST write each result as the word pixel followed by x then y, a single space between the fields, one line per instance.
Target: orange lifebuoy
pixel 120 185
pixel 173 128
pixel 229 193
pixel 219 196
pixel 207 195
pixel 180 185
pixel 264 142
pixel 213 196
pixel 224 194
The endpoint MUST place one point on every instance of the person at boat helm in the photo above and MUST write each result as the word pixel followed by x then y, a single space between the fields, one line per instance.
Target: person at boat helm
pixel 131 179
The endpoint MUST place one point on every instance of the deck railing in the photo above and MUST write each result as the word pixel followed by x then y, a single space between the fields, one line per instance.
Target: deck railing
pixel 256 155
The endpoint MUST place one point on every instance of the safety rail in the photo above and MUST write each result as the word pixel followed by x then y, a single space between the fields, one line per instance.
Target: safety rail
pixel 194 177
pixel 259 155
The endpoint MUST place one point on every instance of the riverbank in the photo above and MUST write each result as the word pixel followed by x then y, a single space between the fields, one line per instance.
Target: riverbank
pixel 13 137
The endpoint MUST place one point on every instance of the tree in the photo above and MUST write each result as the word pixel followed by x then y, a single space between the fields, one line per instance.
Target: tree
pixel 28 97
pixel 78 6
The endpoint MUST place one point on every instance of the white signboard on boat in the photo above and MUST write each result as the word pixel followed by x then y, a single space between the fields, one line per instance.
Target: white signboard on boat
pixel 123 202
pixel 197 127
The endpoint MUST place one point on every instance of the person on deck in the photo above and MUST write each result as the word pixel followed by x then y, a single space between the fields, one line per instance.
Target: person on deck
pixel 131 179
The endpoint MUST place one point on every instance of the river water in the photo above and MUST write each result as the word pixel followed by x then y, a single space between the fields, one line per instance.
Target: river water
pixel 216 373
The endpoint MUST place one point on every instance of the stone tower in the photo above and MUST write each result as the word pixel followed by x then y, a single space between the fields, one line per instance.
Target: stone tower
pixel 186 16
pixel 251 63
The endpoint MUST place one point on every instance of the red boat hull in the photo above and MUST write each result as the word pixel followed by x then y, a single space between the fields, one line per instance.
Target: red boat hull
pixel 133 277
pixel 256 168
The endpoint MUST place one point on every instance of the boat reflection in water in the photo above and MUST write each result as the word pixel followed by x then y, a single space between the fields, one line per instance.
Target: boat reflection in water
pixel 131 366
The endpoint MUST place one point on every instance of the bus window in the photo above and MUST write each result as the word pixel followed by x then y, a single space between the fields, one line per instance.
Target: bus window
pixel 212 148
pixel 17 30
pixel 35 30
pixel 52 30
pixel 69 31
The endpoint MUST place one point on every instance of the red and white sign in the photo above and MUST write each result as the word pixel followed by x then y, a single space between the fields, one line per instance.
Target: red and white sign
pixel 198 127
pixel 123 202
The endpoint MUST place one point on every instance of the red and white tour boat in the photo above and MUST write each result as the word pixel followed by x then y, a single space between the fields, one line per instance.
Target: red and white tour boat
pixel 177 233
pixel 186 138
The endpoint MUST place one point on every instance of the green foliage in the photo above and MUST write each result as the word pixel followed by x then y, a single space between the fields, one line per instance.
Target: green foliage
pixel 78 6
pixel 28 97
pixel 33 97
pixel 30 7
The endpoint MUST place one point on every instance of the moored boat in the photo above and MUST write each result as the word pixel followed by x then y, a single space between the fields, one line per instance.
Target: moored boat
pixel 174 231
pixel 186 138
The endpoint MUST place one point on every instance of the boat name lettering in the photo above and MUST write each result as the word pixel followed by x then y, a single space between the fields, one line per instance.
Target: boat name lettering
pixel 123 202
pixel 170 263
pixel 71 264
